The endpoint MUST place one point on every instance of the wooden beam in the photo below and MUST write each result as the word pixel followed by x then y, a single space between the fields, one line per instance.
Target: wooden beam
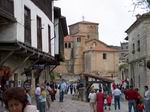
pixel 21 64
pixel 6 57
pixel 30 66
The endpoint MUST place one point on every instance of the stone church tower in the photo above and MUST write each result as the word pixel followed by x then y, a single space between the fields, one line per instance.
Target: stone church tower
pixel 88 29
pixel 85 53
pixel 81 32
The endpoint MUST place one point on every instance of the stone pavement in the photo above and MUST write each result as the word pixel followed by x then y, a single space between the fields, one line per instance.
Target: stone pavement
pixel 70 105
pixel 2 109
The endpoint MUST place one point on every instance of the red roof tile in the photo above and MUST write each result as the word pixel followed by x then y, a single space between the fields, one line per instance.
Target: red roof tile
pixel 68 38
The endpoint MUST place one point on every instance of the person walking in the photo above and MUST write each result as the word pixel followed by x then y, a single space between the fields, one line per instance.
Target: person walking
pixel 37 95
pixel 116 94
pixel 71 88
pixel 109 100
pixel 42 100
pixel 92 98
pixel 131 95
pixel 48 97
pixel 62 89
pixel 147 98
pixel 28 96
pixel 100 101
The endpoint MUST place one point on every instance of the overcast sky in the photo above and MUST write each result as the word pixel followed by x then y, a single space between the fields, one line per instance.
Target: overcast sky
pixel 114 16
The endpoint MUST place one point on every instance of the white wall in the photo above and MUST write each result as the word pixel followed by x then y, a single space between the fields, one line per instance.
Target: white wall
pixel 35 11
pixel 8 33
pixel 56 36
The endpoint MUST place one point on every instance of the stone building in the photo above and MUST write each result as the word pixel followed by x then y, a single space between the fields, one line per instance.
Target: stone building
pixel 28 49
pixel 123 61
pixel 85 53
pixel 139 50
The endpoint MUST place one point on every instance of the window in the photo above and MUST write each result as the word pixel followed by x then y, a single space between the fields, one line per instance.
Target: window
pixel 133 48
pixel 49 38
pixel 65 45
pixel 69 45
pixel 138 45
pixel 39 33
pixel 78 39
pixel 104 56
pixel 94 44
pixel 27 26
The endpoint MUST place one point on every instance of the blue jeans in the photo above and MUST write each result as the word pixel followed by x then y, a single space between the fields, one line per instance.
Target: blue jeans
pixel 139 110
pixel 42 106
pixel 61 96
pixel 117 101
pixel 132 103
pixel 37 101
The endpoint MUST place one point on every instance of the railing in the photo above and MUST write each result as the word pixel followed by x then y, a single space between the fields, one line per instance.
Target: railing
pixel 7 5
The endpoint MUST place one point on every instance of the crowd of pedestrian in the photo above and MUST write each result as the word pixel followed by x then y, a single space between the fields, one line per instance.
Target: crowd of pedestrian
pixel 18 99
pixel 101 100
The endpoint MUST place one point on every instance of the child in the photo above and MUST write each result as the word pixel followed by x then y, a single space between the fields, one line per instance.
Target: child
pixel 109 100
pixel 140 107
pixel 105 104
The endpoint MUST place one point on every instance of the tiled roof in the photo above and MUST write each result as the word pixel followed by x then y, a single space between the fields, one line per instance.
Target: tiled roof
pixel 101 46
pixel 83 22
pixel 68 38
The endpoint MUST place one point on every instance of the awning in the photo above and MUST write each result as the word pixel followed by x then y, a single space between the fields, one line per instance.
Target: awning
pixel 93 75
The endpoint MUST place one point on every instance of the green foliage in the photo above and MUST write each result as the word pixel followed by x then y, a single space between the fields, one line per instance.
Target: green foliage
pixel 54 75
pixel 123 66
pixel 61 58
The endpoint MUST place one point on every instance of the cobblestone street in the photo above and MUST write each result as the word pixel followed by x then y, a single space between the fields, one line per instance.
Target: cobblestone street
pixel 70 105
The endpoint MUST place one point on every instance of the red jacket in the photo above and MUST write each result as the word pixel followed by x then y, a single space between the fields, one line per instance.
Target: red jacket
pixel 131 94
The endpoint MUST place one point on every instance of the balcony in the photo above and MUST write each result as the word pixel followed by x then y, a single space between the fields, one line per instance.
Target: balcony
pixel 7 9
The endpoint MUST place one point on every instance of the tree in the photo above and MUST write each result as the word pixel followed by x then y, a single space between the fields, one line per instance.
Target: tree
pixel 54 75
pixel 123 66
pixel 143 4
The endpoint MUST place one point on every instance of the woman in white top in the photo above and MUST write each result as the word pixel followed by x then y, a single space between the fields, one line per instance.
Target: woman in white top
pixel 92 98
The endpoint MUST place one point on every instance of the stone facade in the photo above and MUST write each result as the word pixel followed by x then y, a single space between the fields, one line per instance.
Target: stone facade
pixel 100 59
pixel 87 52
pixel 139 50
